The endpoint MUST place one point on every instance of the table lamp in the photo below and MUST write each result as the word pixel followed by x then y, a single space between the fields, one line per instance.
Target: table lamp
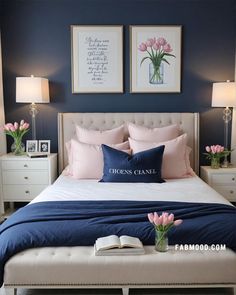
pixel 224 95
pixel 32 90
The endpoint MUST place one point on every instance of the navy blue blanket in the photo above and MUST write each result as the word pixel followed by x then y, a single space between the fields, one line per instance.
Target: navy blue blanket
pixel 80 223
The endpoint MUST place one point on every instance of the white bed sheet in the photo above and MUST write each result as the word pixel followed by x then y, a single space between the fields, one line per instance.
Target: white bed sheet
pixel 191 189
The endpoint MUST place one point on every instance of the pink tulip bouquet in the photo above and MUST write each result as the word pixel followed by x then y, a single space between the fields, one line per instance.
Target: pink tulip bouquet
pixel 157 49
pixel 215 153
pixel 16 131
pixel 162 225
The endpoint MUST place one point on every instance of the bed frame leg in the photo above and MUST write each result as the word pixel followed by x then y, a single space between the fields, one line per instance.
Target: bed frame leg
pixel 11 291
pixel 125 291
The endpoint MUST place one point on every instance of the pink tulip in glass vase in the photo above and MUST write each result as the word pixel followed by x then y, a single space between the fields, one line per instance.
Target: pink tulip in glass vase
pixel 162 224
pixel 214 153
pixel 17 131
pixel 158 52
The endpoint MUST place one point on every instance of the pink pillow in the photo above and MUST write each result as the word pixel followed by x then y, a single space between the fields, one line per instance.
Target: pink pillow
pixel 153 134
pixel 175 160
pixel 111 136
pixel 87 159
pixel 70 160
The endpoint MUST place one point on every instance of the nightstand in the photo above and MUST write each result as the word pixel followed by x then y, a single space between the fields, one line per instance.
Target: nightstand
pixel 23 178
pixel 223 180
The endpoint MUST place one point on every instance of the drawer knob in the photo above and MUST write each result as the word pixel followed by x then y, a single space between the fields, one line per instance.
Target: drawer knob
pixel 25 165
pixel 231 192
pixel 27 192
pixel 25 177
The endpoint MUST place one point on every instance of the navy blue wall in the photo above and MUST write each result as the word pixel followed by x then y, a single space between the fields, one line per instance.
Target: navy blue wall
pixel 36 40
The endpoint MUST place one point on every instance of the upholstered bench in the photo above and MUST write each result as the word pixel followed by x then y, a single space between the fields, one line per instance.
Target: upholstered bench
pixel 78 267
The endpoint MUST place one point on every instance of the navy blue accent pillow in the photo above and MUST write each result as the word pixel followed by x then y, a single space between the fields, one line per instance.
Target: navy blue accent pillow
pixel 141 167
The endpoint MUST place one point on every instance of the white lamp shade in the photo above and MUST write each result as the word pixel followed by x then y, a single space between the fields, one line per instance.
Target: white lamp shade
pixel 32 90
pixel 224 94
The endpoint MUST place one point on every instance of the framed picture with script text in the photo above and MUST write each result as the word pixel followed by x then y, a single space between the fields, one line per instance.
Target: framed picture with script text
pixel 155 59
pixel 97 59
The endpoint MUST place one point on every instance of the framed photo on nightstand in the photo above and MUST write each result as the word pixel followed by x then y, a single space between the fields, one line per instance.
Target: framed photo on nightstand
pixel 44 146
pixel 31 146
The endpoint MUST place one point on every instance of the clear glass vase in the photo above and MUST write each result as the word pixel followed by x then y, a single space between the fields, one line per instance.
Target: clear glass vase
pixel 215 163
pixel 156 74
pixel 18 147
pixel 161 241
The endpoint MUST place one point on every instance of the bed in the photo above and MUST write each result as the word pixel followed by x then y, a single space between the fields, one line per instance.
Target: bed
pixel 77 267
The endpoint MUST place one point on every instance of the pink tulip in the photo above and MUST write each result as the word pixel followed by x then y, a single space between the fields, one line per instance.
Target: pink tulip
pixel 156 219
pixel 178 222
pixel 165 220
pixel 167 48
pixel 16 125
pixel 6 127
pixel 25 126
pixel 213 149
pixel 165 214
pixel 222 149
pixel 9 125
pixel 142 47
pixel 13 129
pixel 161 41
pixel 150 42
pixel 156 46
pixel 208 149
pixel 151 217
pixel 161 219
pixel 218 149
pixel 171 218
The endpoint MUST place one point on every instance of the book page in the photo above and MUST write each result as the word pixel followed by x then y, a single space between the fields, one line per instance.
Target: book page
pixel 108 242
pixel 127 241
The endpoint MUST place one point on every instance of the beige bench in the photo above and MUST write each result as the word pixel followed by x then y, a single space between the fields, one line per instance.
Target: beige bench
pixel 77 267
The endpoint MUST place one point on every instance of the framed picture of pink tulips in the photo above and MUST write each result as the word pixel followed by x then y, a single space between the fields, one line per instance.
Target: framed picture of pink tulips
pixel 97 59
pixel 155 59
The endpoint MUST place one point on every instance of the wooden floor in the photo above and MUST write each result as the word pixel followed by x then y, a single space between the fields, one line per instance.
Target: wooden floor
pixel 132 292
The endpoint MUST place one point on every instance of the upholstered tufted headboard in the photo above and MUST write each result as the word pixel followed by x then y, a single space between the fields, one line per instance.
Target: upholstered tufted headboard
pixel 188 122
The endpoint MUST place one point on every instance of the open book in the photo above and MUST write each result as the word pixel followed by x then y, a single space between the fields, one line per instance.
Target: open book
pixel 114 245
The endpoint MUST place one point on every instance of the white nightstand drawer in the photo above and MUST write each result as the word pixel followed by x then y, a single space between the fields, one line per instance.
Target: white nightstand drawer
pixel 218 178
pixel 25 177
pixel 229 192
pixel 14 193
pixel 25 165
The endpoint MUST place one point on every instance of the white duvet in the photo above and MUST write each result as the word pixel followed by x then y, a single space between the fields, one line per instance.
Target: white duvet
pixel 191 189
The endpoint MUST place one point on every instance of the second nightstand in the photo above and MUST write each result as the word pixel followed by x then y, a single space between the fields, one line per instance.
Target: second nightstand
pixel 23 178
pixel 223 180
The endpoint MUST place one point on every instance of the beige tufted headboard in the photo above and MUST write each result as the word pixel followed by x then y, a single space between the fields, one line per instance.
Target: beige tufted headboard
pixel 188 122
